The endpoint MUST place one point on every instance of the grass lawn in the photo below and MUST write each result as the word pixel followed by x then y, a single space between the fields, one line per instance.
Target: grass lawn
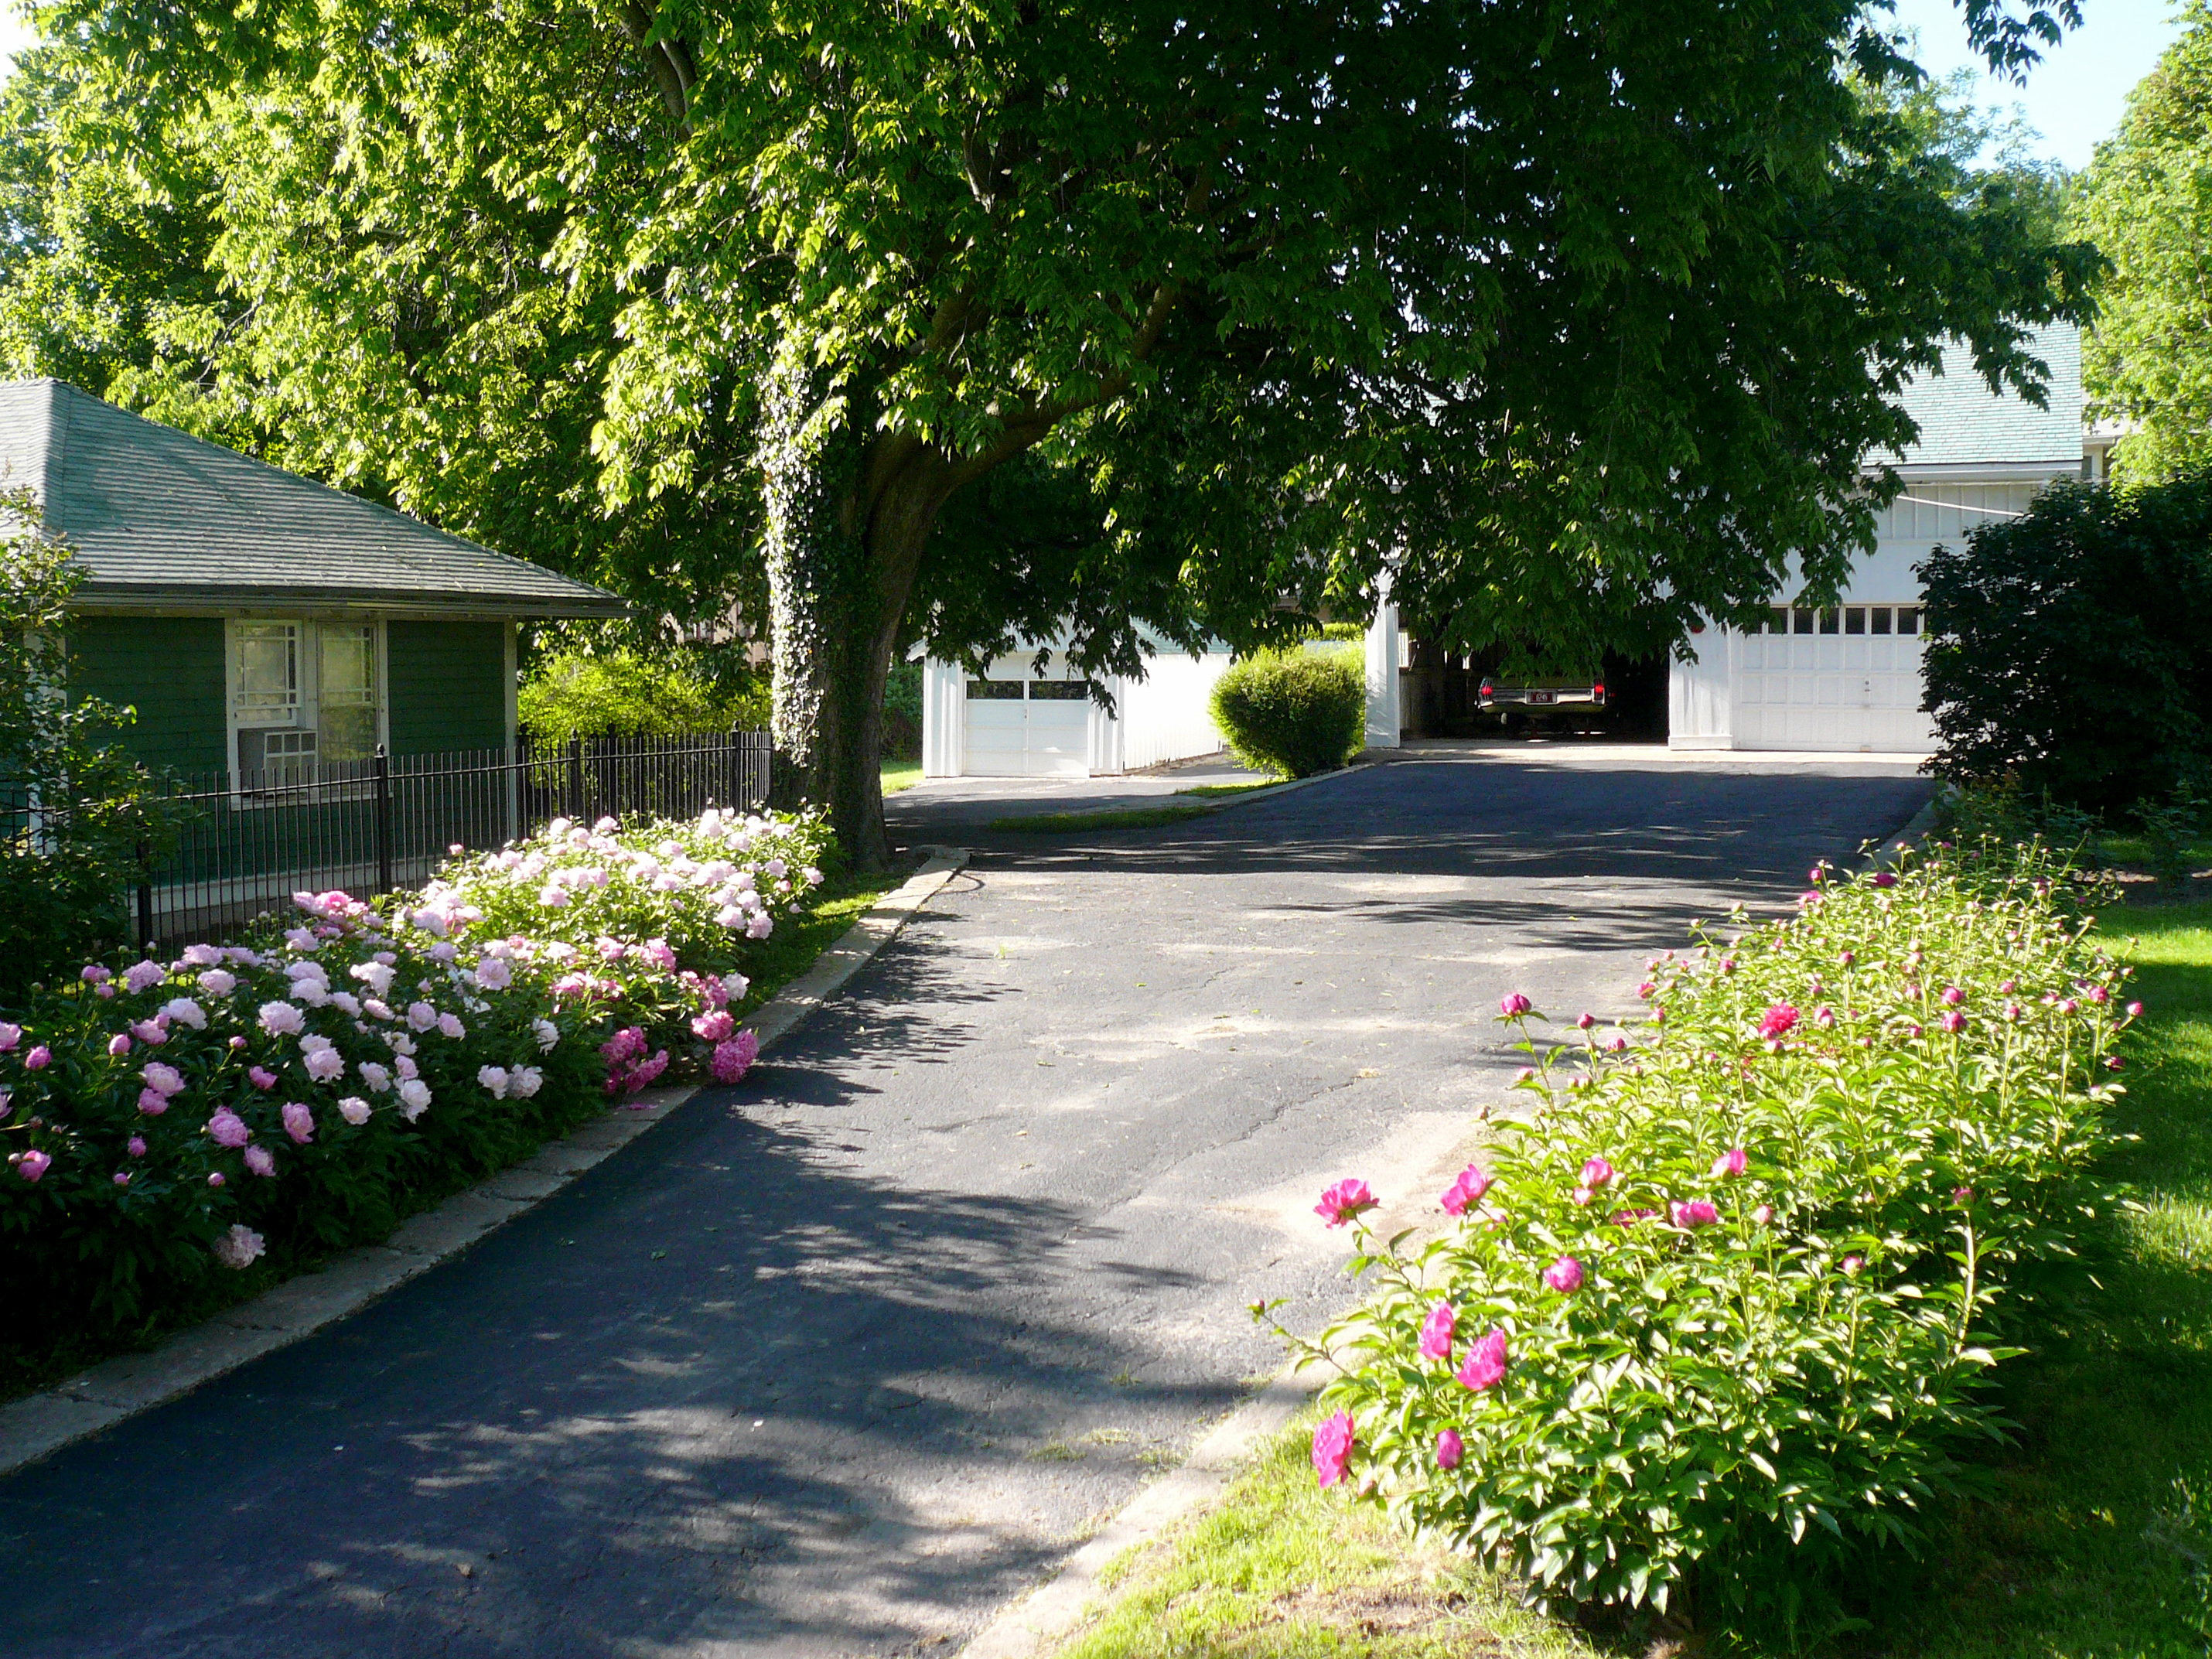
pixel 1209 797
pixel 2095 1541
pixel 899 774
pixel 790 951
pixel 1117 817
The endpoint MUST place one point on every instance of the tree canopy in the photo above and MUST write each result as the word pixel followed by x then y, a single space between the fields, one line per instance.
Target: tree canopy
pixel 2146 200
pixel 971 317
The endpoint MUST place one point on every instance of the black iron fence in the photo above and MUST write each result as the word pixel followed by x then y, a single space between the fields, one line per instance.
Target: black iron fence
pixel 249 843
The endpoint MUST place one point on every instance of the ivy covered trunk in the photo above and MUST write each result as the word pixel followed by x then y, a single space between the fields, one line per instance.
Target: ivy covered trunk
pixel 847 517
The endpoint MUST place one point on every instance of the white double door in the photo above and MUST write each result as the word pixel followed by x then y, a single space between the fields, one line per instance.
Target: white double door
pixel 1854 691
pixel 1022 728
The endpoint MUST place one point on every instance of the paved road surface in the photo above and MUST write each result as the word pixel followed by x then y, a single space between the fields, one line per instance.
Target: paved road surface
pixel 836 1362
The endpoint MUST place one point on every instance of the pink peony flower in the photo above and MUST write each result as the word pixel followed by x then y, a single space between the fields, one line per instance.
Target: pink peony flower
pixel 450 1025
pixel 37 1059
pixel 1693 1213
pixel 261 1079
pixel 117 1046
pixel 218 981
pixel 1583 1194
pixel 33 1163
pixel 282 1019
pixel 1596 1173
pixel 1764 1214
pixel 1962 1194
pixel 1472 1184
pixel 714 1027
pixel 1779 1020
pixel 1436 1332
pixel 494 973
pixel 151 1033
pixel 493 1080
pixel 1513 1005
pixel 1449 1449
pixel 1345 1199
pixel 1852 1263
pixel 1954 1021
pixel 2134 1011
pixel 1564 1275
pixel 143 976
pixel 1333 1438
pixel 1824 1018
pixel 421 1016
pixel 136 1147
pixel 259 1162
pixel 734 1058
pixel 1885 878
pixel 183 1010
pixel 523 1081
pixel 1730 1163
pixel 1485 1366
pixel 1952 996
pixel 239 1248
pixel 1584 1022
pixel 214 1178
pixel 227 1129
pixel 354 1110
pixel 377 1077
pixel 10 1036
pixel 1630 1218
pixel 299 1122
pixel 92 974
pixel 153 1102
pixel 413 1098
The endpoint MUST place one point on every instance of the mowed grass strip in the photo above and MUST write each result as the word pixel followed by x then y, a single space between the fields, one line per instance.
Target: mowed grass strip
pixel 1281 1569
pixel 2095 1542
pixel 2098 1544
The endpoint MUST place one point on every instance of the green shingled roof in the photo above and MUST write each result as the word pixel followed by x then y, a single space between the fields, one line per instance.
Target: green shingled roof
pixel 162 520
pixel 1962 425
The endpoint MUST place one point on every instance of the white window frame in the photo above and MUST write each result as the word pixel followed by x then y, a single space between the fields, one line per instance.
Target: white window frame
pixel 307 708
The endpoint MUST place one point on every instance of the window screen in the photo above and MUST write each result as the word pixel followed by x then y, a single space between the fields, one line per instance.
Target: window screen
pixel 347 716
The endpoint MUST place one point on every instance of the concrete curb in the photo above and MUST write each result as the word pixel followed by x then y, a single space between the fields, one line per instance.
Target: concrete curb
pixel 1042 1617
pixel 41 1423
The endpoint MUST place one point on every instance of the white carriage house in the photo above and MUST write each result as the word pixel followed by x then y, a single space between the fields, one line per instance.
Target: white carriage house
pixel 1847 676
pixel 1013 722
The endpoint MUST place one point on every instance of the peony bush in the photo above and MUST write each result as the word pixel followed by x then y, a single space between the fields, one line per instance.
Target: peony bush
pixel 1717 1316
pixel 162 1121
pixel 653 920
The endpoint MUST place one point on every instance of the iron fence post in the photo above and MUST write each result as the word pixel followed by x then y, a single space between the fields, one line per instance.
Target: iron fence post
pixel 383 765
pixel 145 895
pixel 575 777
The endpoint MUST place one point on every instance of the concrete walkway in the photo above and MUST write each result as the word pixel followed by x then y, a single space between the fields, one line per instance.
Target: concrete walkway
pixel 837 1362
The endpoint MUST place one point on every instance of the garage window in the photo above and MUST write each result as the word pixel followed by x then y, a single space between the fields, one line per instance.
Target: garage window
pixel 1854 619
pixel 1908 619
pixel 994 690
pixel 1880 615
pixel 1802 621
pixel 1060 690
pixel 1827 621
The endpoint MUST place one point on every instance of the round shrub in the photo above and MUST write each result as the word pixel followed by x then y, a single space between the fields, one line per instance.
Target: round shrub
pixel 1293 712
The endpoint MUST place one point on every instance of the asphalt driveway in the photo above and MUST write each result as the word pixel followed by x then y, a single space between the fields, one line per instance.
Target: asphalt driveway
pixel 836 1362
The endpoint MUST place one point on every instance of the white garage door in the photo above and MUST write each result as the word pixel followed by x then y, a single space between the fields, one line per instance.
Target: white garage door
pixel 1847 677
pixel 1028 729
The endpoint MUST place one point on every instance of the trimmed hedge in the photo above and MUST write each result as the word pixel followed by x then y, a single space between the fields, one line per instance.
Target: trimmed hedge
pixel 1294 712
pixel 2071 648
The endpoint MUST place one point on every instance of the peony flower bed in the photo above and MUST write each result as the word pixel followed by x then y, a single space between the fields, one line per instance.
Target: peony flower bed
pixel 1719 1316
pixel 163 1121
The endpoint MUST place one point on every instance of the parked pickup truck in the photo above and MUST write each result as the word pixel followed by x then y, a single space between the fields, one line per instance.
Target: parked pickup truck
pixel 1541 697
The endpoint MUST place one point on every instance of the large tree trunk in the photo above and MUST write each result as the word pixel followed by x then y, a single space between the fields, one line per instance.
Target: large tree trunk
pixel 846 520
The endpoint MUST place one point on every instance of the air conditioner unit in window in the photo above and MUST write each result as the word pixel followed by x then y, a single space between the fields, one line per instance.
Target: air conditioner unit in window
pixel 275 757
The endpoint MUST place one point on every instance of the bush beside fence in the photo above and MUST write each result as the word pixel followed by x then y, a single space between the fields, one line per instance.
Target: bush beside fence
pixel 165 1119
pixel 1720 1312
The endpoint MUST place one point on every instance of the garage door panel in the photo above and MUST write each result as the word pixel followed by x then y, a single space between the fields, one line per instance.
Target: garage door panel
pixel 1835 692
